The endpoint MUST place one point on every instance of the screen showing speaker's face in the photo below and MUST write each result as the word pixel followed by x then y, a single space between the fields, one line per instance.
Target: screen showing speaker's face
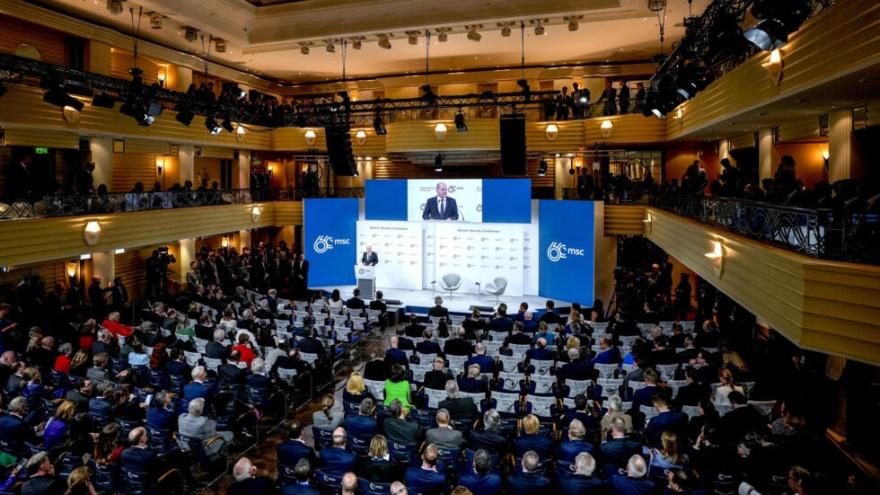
pixel 447 199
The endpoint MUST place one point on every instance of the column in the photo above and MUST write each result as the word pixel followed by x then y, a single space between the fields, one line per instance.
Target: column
pixel 102 154
pixel 186 256
pixel 184 79
pixel 765 154
pixel 186 163
pixel 561 177
pixel 840 144
pixel 244 239
pixel 723 149
pixel 100 58
pixel 242 179
pixel 103 266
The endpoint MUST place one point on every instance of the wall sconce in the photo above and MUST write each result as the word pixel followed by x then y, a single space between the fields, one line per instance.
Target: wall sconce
pixel 826 154
pixel 361 137
pixel 310 137
pixel 91 233
pixel 440 131
pixel 607 128
pixel 224 242
pixel 271 168
pixel 71 269
pixel 163 73
pixel 160 164
pixel 551 132
pixel 774 66
pixel 256 213
pixel 716 256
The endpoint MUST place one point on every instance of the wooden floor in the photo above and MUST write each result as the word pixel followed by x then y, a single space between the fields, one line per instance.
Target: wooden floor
pixel 263 455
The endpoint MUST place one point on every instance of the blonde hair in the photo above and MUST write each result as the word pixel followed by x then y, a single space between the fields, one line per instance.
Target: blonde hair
pixel 531 424
pixel 355 384
pixel 79 476
pixel 378 446
pixel 80 358
pixel 573 343
pixel 66 410
pixel 669 441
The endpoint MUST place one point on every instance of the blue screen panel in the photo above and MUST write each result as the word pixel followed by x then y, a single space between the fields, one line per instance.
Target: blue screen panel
pixel 566 250
pixel 507 200
pixel 330 227
pixel 385 200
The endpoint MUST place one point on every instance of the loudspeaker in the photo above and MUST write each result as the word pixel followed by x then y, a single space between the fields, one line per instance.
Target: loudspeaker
pixel 513 144
pixel 339 150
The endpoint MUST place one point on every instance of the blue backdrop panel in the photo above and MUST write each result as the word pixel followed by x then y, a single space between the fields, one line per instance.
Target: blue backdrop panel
pixel 507 200
pixel 385 200
pixel 330 227
pixel 566 250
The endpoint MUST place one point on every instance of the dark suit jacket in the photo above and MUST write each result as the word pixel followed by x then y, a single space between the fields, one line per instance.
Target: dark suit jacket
pixel 401 431
pixel 336 460
pixel 370 259
pixel 378 305
pixel 624 485
pixel 251 486
pixel 458 347
pixel 539 442
pixel 617 451
pixel 355 303
pixel 428 347
pixel 574 484
pixel 311 345
pixel 489 484
pixel 666 421
pixel 445 438
pixel 491 440
pixel 432 212
pixel 44 485
pixel 579 370
pixel 437 379
pixel 438 312
pixel 363 426
pixel 568 450
pixel 462 410
pixel 528 484
pixel 291 451
pixel 297 489
pixel 216 350
pixel 424 481
pixel 141 460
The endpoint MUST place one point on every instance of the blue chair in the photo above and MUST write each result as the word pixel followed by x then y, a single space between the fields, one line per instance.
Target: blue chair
pixel 159 379
pixel 135 482
pixel 323 437
pixel 104 476
pixel 359 444
pixel 330 483
pixel 402 451
pixel 160 439
pixel 67 462
pixel 448 459
pixel 176 383
pixel 370 488
pixel 125 426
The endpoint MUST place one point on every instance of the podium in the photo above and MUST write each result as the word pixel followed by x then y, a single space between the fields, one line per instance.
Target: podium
pixel 366 280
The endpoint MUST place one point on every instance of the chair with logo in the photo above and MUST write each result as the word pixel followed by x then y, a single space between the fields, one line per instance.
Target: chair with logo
pixel 497 287
pixel 451 282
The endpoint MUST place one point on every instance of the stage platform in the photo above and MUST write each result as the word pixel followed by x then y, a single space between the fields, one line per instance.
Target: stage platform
pixel 419 301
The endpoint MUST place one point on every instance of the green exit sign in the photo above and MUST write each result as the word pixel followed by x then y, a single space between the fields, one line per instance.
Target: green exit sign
pixel 41 151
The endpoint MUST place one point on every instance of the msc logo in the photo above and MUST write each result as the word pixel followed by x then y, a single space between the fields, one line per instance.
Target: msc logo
pixel 559 251
pixel 325 243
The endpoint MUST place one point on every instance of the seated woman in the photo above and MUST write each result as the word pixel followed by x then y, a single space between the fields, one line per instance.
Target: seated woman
pixel 377 466
pixel 355 389
pixel 532 439
pixel 669 455
pixel 397 387
pixel 727 386
pixel 56 429
pixel 326 418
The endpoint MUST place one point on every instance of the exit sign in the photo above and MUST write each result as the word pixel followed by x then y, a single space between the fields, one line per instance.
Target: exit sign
pixel 41 151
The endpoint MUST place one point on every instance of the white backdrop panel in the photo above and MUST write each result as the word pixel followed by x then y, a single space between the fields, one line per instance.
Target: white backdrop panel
pixel 399 246
pixel 480 253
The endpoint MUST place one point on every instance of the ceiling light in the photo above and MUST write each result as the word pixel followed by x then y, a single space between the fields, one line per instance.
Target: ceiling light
pixel 438 163
pixel 413 37
pixel 443 34
pixel 460 124
pixel 212 126
pixel 220 45
pixel 357 42
pixel 304 49
pixel 331 48
pixel 473 34
pixel 384 42
pixel 506 28
pixel 190 33
pixel 115 6
pixel 573 23
pixel 56 95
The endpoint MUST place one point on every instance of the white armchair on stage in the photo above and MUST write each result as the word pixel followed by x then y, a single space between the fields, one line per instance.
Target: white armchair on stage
pixel 366 280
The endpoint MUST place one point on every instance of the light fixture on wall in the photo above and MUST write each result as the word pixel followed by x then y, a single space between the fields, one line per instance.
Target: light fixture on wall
pixel 224 242
pixel 551 132
pixel 310 137
pixel 162 76
pixel 71 268
pixel 119 251
pixel 607 128
pixel 542 168
pixel 256 213
pixel 360 137
pixel 92 232
pixel 716 255
pixel 774 66
pixel 160 165
pixel 440 131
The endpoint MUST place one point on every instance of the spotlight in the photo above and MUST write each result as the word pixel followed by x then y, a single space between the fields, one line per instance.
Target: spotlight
pixel 227 124
pixel 103 100
pixel 506 28
pixel 384 42
pixel 185 117
pixel 304 49
pixel 379 125
pixel 767 35
pixel 428 94
pixel 212 126
pixel 542 168
pixel 438 163
pixel 190 33
pixel 357 42
pixel 779 18
pixel 331 48
pixel 56 95
pixel 691 79
pixel 573 22
pixel 115 6
pixel 155 20
pixel 539 28
pixel 473 34
pixel 460 124
pixel 413 37
pixel 220 45
pixel 443 34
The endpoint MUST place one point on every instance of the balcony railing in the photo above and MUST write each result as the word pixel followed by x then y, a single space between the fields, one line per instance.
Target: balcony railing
pixel 59 205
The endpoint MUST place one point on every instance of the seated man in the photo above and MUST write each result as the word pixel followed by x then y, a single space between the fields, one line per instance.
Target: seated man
pixel 394 355
pixel 428 346
pixel 636 481
pixel 486 363
pixel 462 410
pixel 14 431
pixel 438 310
pixel 397 428
pixel 414 329
pixel 444 436
pixel 436 378
pixel 532 439
pixel 575 444
pixel 540 352
pixel 42 479
pixel 194 426
pixel 576 368
pixel 665 420
pixel 356 304
pixel 529 480
pixel 303 473
pixel 608 354
pixel 457 345
pixel 247 482
pixel 198 388
pixel 581 481
pixel 336 459
pixel 427 479
pixel 490 437
pixel 518 337
pixel 619 449
pixel 482 480
pixel 363 424
pixel 473 382
pixel 289 453
pixel 140 458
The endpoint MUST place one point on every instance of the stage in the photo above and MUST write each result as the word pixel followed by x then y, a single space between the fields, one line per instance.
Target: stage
pixel 419 301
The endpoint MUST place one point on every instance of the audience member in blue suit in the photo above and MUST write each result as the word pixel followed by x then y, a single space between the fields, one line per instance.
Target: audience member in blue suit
pixel 608 354
pixel 363 424
pixel 294 449
pixel 481 480
pixel 428 346
pixel 644 396
pixel 529 481
pixel 426 479
pixel 635 481
pixel 580 480
pixel 336 459
pixel 303 472
pixel 198 388
pixel 532 439
pixel 666 420
pixel 394 355
pixel 577 367
pixel 486 363
pixel 575 444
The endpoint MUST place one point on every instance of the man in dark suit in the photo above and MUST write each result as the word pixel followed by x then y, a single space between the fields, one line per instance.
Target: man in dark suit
pixel 356 304
pixel 310 344
pixel 550 315
pixel 247 482
pixel 140 458
pixel 462 410
pixel 14 431
pixel 397 428
pixel 540 352
pixel 215 349
pixel 363 424
pixel 300 275
pixel 486 364
pixel 42 479
pixel 742 420
pixel 620 448
pixel 666 420
pixel 575 444
pixel 436 378
pixel 438 310
pixel 289 453
pixel 444 436
pixel 529 481
pixel 231 375
pixel 198 389
pixel 369 258
pixel 303 472
pixel 441 206
pixel 427 479
pixel 457 345
pixel 336 459
pixel 576 368
pixel 608 354
pixel 394 355
pixel 481 480
pixel 580 481
pixel 414 329
pixel 635 482
pixel 518 337
pixel 428 346
pixel 490 437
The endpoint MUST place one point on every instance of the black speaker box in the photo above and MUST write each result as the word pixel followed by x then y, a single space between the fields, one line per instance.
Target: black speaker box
pixel 513 144
pixel 339 150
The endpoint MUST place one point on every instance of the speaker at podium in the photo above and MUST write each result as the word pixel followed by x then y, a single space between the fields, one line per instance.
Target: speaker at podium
pixel 366 280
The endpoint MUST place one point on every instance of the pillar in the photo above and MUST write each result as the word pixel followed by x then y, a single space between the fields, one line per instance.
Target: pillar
pixel 723 149
pixel 242 179
pixel 103 266
pixel 184 79
pixel 244 239
pixel 187 255
pixel 765 154
pixel 561 177
pixel 186 162
pixel 101 148
pixel 100 58
pixel 840 144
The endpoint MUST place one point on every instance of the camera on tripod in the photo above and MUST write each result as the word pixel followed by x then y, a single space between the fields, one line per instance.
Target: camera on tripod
pixel 163 257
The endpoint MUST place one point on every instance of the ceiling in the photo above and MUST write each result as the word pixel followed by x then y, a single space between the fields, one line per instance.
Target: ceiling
pixel 265 37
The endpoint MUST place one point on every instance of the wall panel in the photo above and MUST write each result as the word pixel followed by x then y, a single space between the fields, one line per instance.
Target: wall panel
pixel 624 219
pixel 418 135
pixel 626 129
pixel 49 42
pixel 130 168
pixel 294 139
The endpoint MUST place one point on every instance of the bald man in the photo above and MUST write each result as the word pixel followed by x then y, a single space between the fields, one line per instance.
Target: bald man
pixel 349 484
pixel 247 482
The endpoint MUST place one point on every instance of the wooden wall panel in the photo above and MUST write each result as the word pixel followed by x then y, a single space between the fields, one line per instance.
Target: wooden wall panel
pixel 841 40
pixel 130 168
pixel 806 129
pixel 418 135
pixel 40 137
pixel 130 267
pixel 828 306
pixel 570 136
pixel 741 141
pixel 288 213
pixel 49 42
pixel 626 129
pixel 373 147
pixel 293 139
pixel 207 168
pixel 624 220
pixel 52 272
